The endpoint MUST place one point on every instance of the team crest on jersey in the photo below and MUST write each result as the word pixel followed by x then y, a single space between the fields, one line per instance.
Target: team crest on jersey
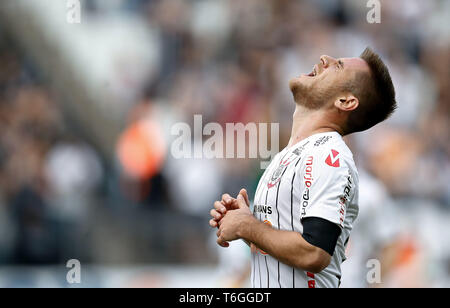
pixel 278 173
pixel 276 176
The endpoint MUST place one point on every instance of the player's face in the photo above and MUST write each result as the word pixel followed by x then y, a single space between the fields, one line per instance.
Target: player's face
pixel 325 82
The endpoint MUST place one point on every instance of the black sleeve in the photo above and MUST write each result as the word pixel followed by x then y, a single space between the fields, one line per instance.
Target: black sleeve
pixel 321 233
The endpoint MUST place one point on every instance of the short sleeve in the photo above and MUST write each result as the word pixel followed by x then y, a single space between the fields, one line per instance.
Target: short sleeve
pixel 327 187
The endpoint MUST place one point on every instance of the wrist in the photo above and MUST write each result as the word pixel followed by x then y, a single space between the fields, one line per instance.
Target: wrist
pixel 245 227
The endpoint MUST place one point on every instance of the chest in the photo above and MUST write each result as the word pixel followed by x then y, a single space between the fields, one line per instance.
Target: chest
pixel 278 187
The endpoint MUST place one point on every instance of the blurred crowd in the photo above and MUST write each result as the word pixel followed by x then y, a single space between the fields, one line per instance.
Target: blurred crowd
pixel 229 61
pixel 36 181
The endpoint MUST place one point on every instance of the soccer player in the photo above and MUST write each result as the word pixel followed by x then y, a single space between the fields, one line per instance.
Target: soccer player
pixel 307 199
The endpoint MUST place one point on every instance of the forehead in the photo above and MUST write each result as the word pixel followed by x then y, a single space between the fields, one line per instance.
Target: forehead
pixel 355 63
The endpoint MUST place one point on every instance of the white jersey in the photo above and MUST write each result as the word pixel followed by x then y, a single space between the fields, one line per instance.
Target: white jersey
pixel 316 177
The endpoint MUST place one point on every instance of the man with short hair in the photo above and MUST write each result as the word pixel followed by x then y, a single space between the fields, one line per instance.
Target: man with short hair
pixel 307 199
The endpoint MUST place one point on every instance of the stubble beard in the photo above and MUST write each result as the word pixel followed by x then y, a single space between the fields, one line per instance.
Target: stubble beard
pixel 314 97
pixel 307 96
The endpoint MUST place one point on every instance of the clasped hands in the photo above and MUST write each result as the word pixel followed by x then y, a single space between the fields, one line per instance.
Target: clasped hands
pixel 231 216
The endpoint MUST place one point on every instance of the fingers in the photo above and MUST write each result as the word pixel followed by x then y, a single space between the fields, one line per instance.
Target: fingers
pixel 243 192
pixel 227 199
pixel 220 207
pixel 222 242
pixel 220 210
pixel 215 214
pixel 213 223
pixel 227 203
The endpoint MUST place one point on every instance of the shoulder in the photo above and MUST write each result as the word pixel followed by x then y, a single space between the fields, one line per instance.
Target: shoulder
pixel 329 156
pixel 332 148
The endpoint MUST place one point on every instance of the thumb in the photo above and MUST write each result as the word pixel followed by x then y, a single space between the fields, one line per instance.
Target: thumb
pixel 241 202
pixel 243 192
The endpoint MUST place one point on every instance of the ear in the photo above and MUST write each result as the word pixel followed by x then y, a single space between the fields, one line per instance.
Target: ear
pixel 346 102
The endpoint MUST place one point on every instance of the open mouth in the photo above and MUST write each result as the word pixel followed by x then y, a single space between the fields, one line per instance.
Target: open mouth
pixel 313 73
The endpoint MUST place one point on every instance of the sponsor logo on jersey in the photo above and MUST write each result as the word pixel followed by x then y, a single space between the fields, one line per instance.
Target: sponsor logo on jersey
pixel 322 140
pixel 333 159
pixel 266 209
pixel 267 222
pixel 299 150
pixel 308 179
pixel 308 171
pixel 344 199
pixel 305 201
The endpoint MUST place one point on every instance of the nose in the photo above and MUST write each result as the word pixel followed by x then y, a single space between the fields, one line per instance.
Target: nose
pixel 327 60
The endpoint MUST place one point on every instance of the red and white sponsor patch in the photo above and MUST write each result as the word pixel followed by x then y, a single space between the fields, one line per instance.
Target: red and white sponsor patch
pixel 333 159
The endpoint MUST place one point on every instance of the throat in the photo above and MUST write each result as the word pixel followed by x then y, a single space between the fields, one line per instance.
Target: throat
pixel 309 122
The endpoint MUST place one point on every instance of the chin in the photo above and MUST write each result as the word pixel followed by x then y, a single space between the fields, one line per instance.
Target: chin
pixel 294 83
pixel 298 85
pixel 303 91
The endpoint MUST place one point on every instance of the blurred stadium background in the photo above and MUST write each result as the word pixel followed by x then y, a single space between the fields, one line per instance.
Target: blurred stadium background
pixel 86 110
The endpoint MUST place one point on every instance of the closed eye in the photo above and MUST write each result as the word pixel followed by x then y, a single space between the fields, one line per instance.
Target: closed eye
pixel 341 64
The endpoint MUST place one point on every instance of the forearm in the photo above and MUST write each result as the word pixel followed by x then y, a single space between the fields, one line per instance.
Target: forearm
pixel 288 247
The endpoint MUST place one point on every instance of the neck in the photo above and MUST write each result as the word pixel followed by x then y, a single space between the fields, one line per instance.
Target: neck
pixel 307 122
